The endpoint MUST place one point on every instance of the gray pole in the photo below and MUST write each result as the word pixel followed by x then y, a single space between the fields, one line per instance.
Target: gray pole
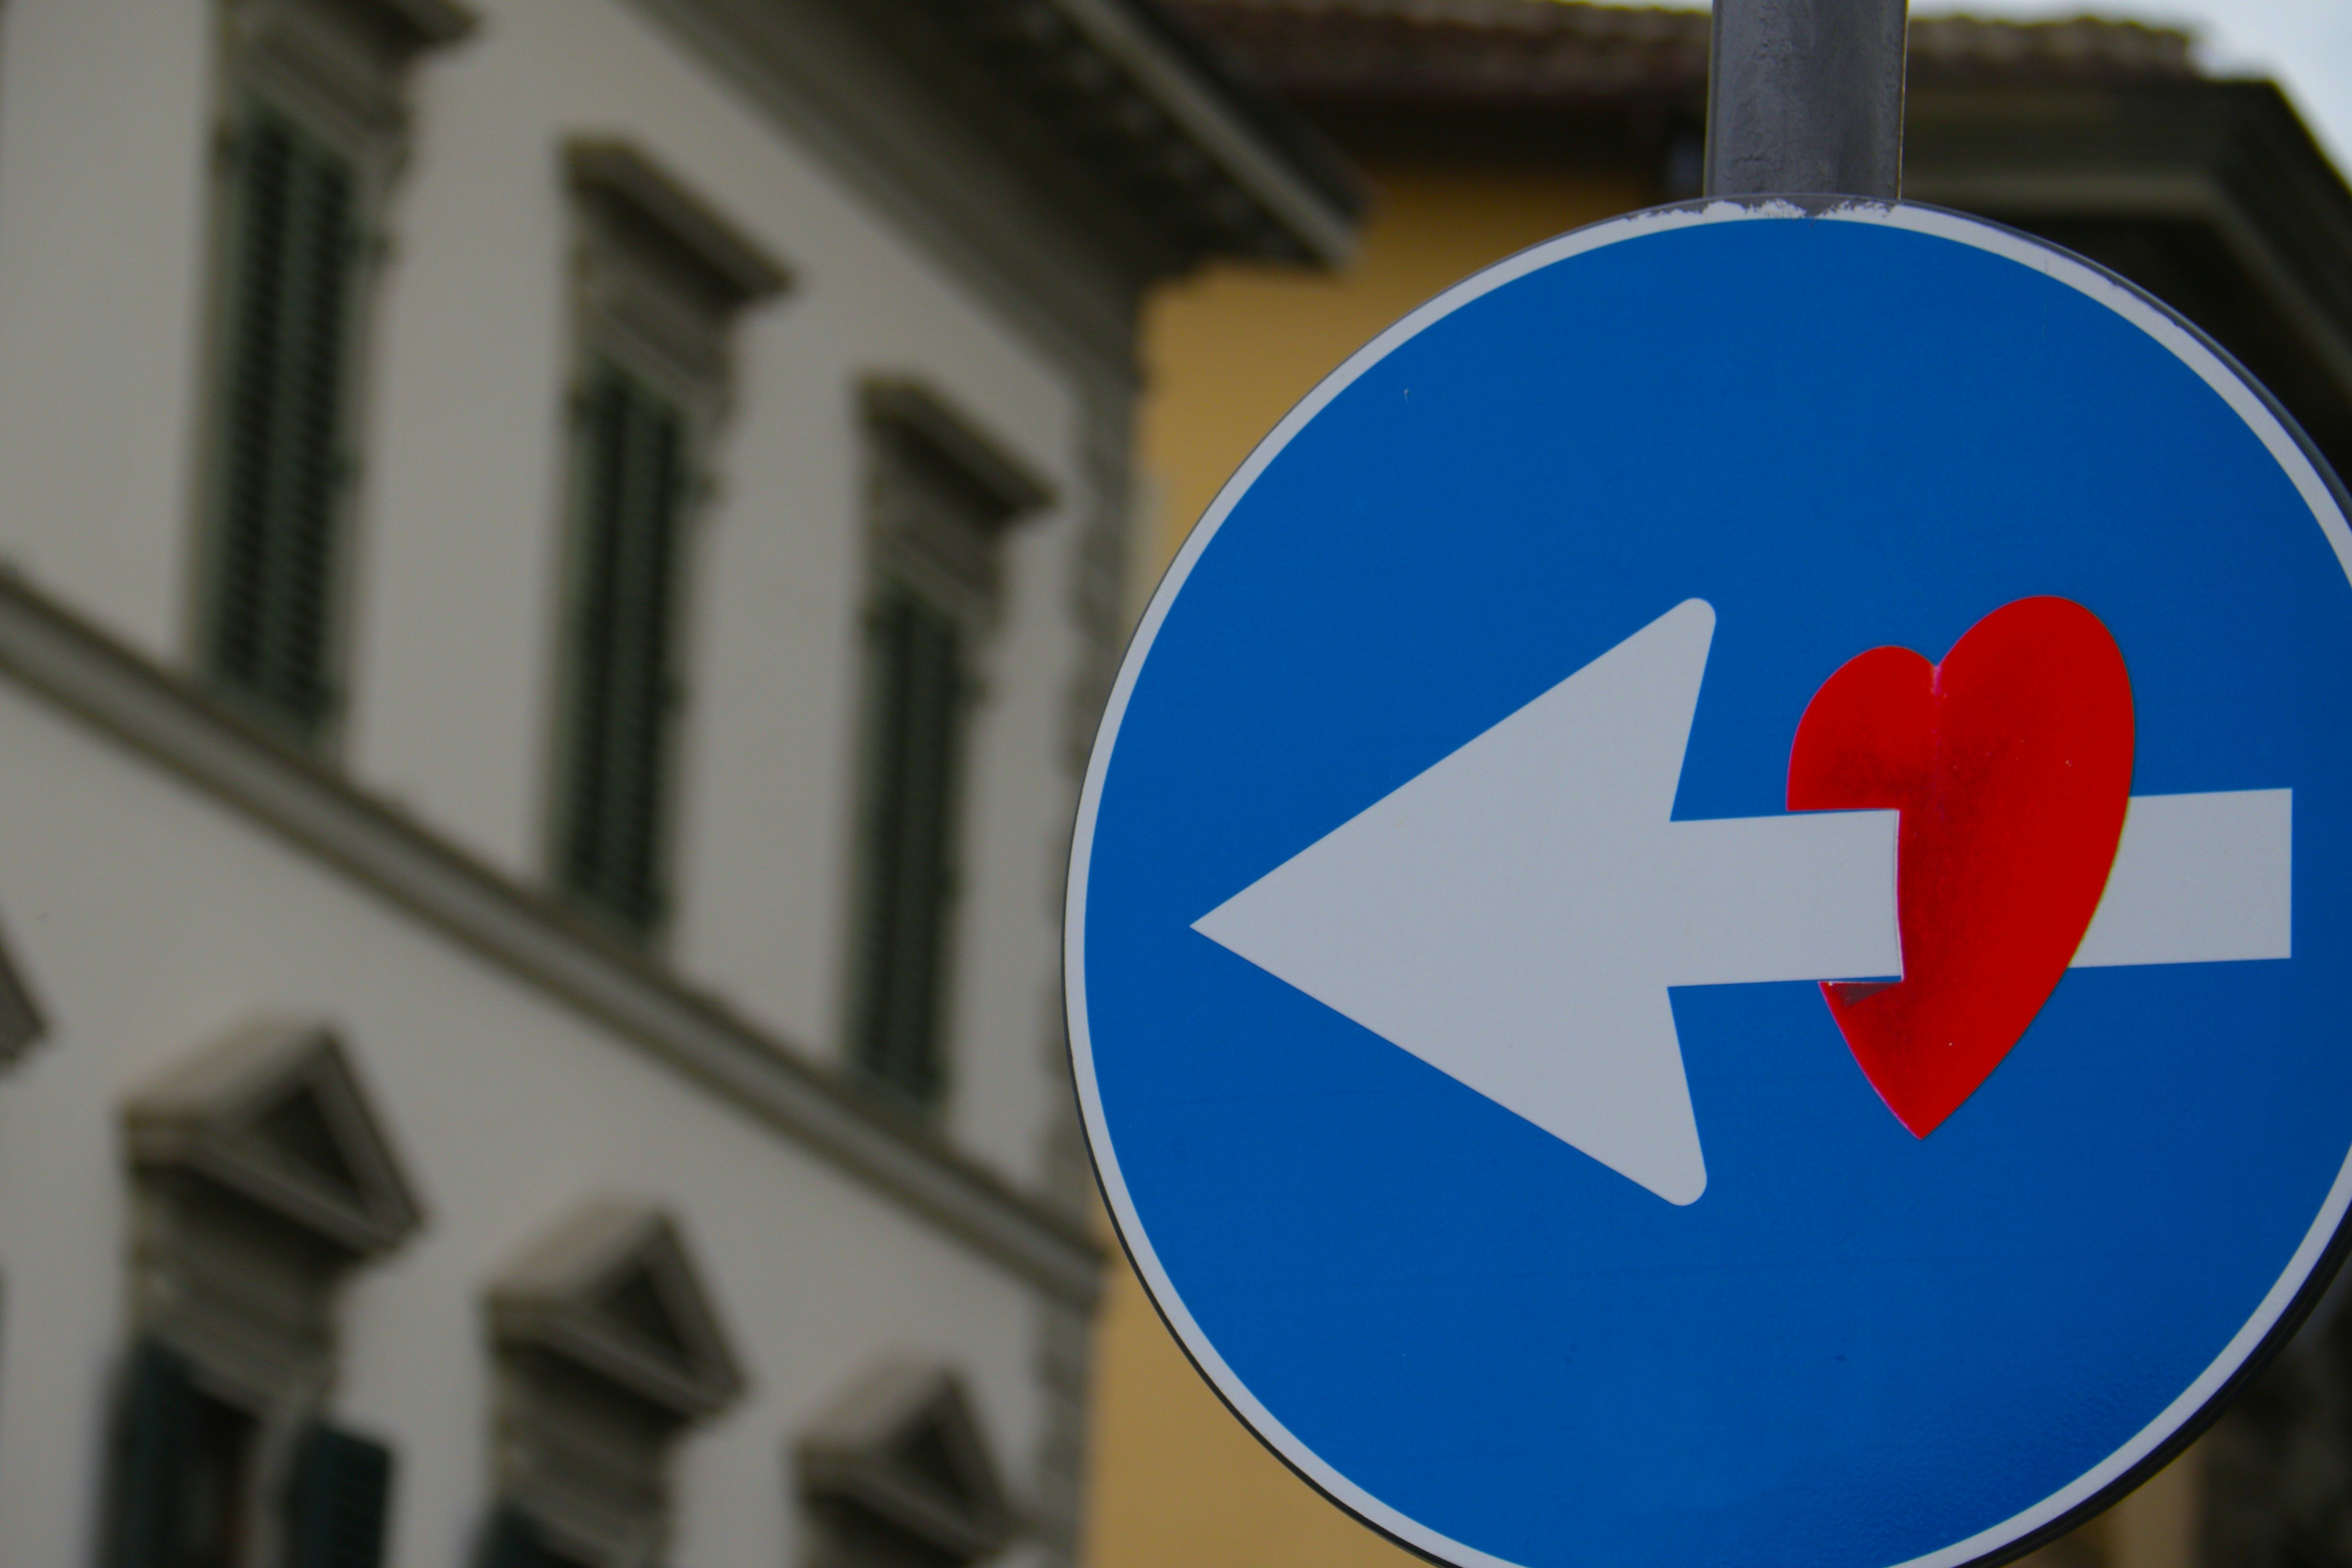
pixel 1805 96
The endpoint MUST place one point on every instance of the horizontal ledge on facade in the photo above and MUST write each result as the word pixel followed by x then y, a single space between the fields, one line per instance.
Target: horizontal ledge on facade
pixel 54 652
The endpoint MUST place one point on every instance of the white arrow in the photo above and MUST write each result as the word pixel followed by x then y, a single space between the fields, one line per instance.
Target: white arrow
pixel 1514 915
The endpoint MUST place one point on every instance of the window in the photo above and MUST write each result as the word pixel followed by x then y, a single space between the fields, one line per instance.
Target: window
pixel 342 1487
pixel 661 281
pixel 941 498
pixel 285 396
pixel 189 1462
pixel 608 1349
pixel 310 145
pixel 916 716
pixel 263 1178
pixel 631 487
pixel 190 1491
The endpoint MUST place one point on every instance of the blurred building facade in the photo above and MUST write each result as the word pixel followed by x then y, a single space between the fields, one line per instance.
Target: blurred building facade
pixel 560 557
pixel 1485 126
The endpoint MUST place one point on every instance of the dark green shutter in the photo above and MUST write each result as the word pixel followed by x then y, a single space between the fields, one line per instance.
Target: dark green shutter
pixel 158 1421
pixel 917 664
pixel 293 256
pixel 342 1487
pixel 631 480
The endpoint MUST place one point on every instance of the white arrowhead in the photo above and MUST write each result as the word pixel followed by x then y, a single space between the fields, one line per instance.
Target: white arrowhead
pixel 1514 915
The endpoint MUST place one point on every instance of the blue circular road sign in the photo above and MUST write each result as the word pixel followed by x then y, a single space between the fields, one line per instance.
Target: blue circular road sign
pixel 1712 922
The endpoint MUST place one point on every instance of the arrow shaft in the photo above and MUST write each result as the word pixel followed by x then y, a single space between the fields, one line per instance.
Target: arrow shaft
pixel 1807 896
pixel 2199 879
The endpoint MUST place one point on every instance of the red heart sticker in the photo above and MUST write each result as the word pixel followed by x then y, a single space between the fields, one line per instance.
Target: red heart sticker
pixel 2011 762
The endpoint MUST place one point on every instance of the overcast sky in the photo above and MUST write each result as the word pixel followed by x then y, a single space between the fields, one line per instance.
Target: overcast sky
pixel 2305 45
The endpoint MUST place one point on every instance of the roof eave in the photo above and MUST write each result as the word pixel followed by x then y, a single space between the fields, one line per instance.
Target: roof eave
pixel 1296 179
pixel 1199 158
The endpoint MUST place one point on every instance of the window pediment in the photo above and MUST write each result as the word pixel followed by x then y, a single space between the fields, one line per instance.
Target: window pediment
pixel 944 495
pixel 663 215
pixel 612 1291
pixel 662 273
pixel 343 62
pixel 275 1112
pixel 392 31
pixel 608 1347
pixel 904 1447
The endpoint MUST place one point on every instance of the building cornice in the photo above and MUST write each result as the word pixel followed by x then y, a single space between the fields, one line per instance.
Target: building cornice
pixel 1559 54
pixel 1169 126
pixel 1054 159
pixel 54 654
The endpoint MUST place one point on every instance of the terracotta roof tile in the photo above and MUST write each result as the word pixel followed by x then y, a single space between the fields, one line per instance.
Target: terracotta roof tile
pixel 1555 50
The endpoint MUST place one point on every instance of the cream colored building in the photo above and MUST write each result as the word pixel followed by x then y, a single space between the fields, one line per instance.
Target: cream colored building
pixel 559 556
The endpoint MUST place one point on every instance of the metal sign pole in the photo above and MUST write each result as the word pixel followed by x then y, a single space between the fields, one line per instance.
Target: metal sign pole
pixel 1806 97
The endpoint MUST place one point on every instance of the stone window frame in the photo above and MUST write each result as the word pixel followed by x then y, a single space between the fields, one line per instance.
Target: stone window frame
pixel 339 70
pixel 953 565
pixel 608 1347
pixel 263 1178
pixel 659 281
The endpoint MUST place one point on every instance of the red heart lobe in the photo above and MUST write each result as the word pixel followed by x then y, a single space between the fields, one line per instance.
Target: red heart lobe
pixel 2011 763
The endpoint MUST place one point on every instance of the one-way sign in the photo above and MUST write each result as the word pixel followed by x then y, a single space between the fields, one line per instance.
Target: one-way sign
pixel 1712 920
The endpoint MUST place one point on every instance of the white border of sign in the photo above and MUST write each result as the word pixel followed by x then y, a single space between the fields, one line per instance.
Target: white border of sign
pixel 2184 342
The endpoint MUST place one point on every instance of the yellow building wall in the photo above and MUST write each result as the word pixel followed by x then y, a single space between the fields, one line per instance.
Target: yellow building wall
pixel 1175 1480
